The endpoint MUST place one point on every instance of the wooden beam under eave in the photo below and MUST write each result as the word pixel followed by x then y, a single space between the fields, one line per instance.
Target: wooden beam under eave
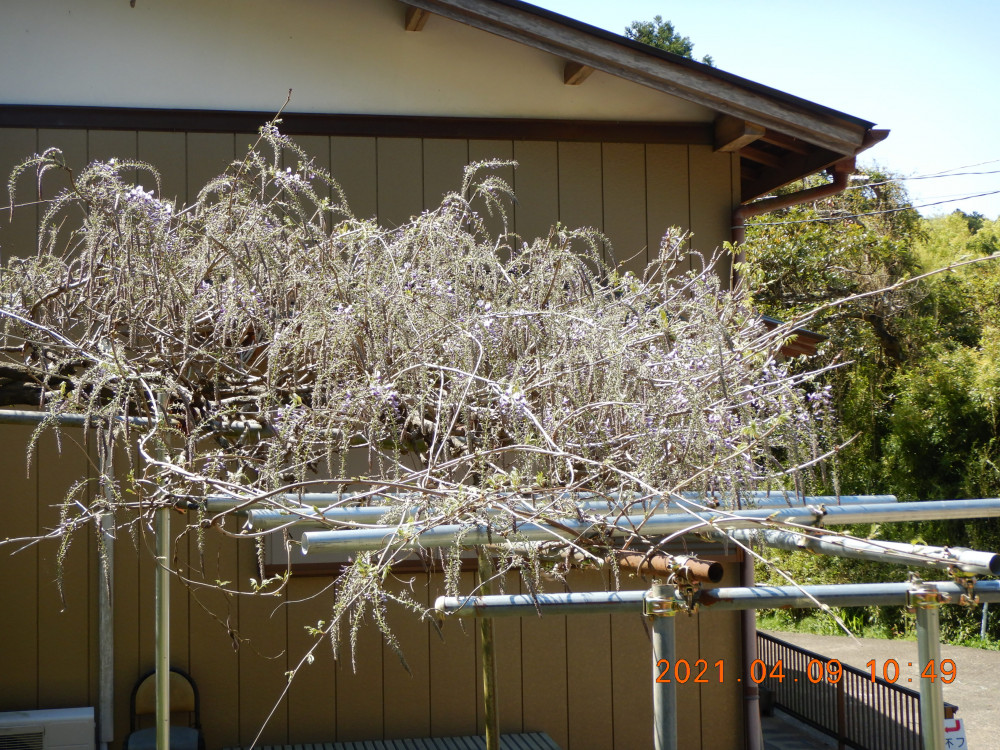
pixel 732 133
pixel 787 142
pixel 576 73
pixel 416 18
pixel 795 167
pixel 761 157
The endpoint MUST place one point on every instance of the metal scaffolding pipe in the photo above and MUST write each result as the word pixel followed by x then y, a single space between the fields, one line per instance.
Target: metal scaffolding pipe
pixel 926 601
pixel 162 603
pixel 338 505
pixel 356 540
pixel 106 634
pixel 664 660
pixel 942 558
pixel 24 416
pixel 735 598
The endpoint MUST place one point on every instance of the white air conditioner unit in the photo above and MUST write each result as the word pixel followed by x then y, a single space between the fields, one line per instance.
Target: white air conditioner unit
pixel 52 729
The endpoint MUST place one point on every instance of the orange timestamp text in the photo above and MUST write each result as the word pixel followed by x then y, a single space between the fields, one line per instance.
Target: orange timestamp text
pixel 831 671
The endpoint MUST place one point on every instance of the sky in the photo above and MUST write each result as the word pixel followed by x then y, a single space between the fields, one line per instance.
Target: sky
pixel 928 70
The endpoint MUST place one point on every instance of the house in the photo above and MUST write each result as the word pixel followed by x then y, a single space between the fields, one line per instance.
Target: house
pixel 395 98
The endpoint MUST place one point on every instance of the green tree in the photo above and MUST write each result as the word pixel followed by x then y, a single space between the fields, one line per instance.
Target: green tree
pixel 922 389
pixel 661 34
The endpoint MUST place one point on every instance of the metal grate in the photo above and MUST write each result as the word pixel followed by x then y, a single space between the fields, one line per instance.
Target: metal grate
pixel 526 741
pixel 22 741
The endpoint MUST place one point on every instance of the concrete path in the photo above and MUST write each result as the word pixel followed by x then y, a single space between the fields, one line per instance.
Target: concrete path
pixel 976 689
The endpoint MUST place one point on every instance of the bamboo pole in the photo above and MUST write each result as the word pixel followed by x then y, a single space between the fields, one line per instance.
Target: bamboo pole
pixel 490 704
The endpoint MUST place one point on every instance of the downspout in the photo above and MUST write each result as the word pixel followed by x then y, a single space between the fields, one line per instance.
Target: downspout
pixel 748 619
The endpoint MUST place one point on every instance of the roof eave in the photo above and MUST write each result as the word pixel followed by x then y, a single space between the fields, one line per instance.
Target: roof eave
pixel 686 79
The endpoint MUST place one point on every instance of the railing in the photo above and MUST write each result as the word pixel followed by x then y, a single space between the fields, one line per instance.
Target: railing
pixel 840 700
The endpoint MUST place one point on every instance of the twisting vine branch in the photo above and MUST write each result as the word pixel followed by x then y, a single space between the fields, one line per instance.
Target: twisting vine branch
pixel 481 380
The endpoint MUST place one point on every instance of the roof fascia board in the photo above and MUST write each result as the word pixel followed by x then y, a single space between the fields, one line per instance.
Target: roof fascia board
pixel 697 83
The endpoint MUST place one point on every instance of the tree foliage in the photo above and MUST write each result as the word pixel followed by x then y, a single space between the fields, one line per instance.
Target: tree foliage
pixel 922 386
pixel 661 34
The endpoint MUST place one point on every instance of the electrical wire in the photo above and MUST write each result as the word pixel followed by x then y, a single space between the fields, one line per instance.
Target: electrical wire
pixel 827 219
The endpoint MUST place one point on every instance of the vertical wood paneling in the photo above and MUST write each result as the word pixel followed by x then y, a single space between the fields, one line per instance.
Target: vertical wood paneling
pixel 444 162
pixel 668 201
pixel 360 690
pixel 17 231
pixel 588 671
pixel 166 152
pixel 127 635
pixel 215 623
pixel 507 632
pixel 581 192
pixel 536 185
pixel 103 145
pixel 146 618
pixel 208 155
pixel 544 675
pixel 354 165
pixel 711 200
pixel 66 631
pixel 720 639
pixel 453 675
pixel 19 574
pixel 624 169
pixel 400 180
pixel 263 660
pixel 406 694
pixel 312 698
pixel 632 695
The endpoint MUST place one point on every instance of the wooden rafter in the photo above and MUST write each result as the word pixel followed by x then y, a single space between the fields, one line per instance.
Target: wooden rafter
pixel 732 133
pixel 786 142
pixel 576 73
pixel 762 157
pixel 416 18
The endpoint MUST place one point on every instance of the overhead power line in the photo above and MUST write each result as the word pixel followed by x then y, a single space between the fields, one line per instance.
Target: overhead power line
pixel 828 219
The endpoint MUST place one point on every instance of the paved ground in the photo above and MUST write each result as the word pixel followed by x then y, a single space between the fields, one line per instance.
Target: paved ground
pixel 976 689
pixel 783 733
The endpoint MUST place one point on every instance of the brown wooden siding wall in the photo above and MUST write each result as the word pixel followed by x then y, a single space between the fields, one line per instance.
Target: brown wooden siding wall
pixel 584 680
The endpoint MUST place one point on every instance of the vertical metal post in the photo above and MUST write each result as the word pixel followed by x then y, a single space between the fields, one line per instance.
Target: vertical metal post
pixel 106 634
pixel 162 530
pixel 490 709
pixel 106 605
pixel 659 607
pixel 926 600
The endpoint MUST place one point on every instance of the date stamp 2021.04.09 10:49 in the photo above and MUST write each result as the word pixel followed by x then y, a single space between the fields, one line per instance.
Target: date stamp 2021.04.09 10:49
pixel 816 671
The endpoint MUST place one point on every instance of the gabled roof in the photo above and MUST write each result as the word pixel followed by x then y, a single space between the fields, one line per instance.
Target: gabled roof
pixel 779 137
